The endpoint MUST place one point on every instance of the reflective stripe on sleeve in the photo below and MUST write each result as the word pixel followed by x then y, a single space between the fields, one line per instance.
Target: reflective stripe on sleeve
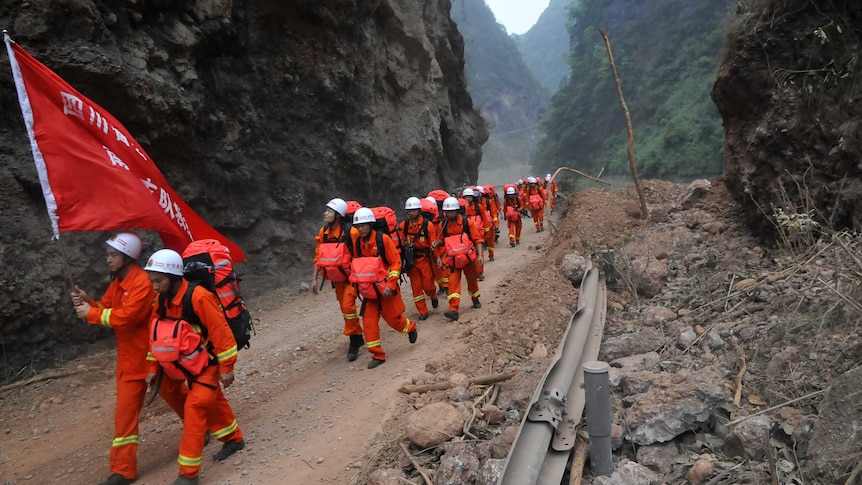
pixel 106 317
pixel 227 354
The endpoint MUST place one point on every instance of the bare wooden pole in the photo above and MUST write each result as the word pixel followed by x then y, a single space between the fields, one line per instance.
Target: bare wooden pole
pixel 630 144
pixel 439 386
pixel 576 472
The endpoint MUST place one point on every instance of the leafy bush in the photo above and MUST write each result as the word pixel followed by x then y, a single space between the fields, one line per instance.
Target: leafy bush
pixel 666 53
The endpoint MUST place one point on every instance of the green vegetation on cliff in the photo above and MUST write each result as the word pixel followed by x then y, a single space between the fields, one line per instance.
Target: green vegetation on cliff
pixel 545 47
pixel 666 52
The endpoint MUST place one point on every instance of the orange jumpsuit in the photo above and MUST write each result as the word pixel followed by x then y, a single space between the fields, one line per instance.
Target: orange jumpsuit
pixel 441 273
pixel 390 307
pixel 538 215
pixel 345 292
pixel 476 207
pixel 206 406
pixel 552 194
pixel 471 271
pixel 126 307
pixel 421 275
pixel 514 226
pixel 491 210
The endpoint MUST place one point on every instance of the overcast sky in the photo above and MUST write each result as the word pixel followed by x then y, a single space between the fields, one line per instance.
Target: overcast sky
pixel 517 15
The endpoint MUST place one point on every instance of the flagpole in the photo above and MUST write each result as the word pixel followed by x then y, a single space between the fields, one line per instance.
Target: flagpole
pixel 27 113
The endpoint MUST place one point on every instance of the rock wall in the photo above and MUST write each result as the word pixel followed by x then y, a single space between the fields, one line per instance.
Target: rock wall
pixel 256 111
pixel 790 97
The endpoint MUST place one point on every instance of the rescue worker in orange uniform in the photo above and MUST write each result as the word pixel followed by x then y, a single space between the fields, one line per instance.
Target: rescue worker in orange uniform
pixel 125 307
pixel 331 232
pixel 536 198
pixel 454 225
pixel 206 406
pixel 490 211
pixel 513 214
pixel 551 189
pixel 419 232
pixel 475 211
pixel 368 243
pixel 441 273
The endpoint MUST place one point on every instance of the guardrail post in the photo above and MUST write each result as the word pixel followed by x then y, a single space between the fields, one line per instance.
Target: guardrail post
pixel 598 409
pixel 607 261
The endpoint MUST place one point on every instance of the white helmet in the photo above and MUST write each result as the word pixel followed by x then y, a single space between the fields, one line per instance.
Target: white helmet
pixel 510 191
pixel 548 178
pixel 413 203
pixel 531 180
pixel 451 204
pixel 127 243
pixel 480 189
pixel 520 182
pixel 468 192
pixel 166 261
pixel 363 216
pixel 432 199
pixel 338 205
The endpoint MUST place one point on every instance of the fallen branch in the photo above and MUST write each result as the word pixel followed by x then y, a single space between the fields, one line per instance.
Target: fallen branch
pixel 772 408
pixel 416 464
pixel 576 472
pixel 468 424
pixel 737 396
pixel 48 375
pixel 582 174
pixel 440 386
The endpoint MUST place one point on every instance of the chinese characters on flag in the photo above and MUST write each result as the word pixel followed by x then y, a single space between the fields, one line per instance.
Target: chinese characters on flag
pixel 94 175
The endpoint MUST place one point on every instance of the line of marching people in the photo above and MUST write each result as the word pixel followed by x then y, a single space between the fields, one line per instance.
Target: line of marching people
pixel 365 252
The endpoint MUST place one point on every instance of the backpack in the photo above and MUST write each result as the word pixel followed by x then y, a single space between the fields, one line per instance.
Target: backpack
pixel 536 202
pixel 387 223
pixel 333 256
pixel 207 262
pixel 177 347
pixel 370 273
pixel 459 253
pixel 430 211
pixel 512 214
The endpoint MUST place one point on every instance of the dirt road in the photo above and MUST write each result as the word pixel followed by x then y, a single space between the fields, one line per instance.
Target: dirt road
pixel 308 415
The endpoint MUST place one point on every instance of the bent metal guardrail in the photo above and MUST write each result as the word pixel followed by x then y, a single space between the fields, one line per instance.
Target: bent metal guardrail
pixel 547 436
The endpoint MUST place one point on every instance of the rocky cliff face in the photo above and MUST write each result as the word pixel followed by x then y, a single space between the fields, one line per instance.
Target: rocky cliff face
pixel 790 96
pixel 256 111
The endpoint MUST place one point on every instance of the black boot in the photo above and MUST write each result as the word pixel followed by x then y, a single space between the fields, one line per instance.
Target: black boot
pixel 356 342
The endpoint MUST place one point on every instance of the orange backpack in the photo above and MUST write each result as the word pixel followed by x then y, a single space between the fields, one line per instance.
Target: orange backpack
pixel 177 347
pixel 512 214
pixel 334 261
pixel 536 202
pixel 460 251
pixel 370 273
pixel 333 257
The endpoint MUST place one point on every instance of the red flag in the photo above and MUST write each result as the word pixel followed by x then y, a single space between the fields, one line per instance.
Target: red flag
pixel 94 175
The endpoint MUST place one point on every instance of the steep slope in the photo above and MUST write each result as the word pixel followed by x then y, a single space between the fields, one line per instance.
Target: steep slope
pixel 789 93
pixel 502 86
pixel 257 112
pixel 545 47
pixel 666 54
